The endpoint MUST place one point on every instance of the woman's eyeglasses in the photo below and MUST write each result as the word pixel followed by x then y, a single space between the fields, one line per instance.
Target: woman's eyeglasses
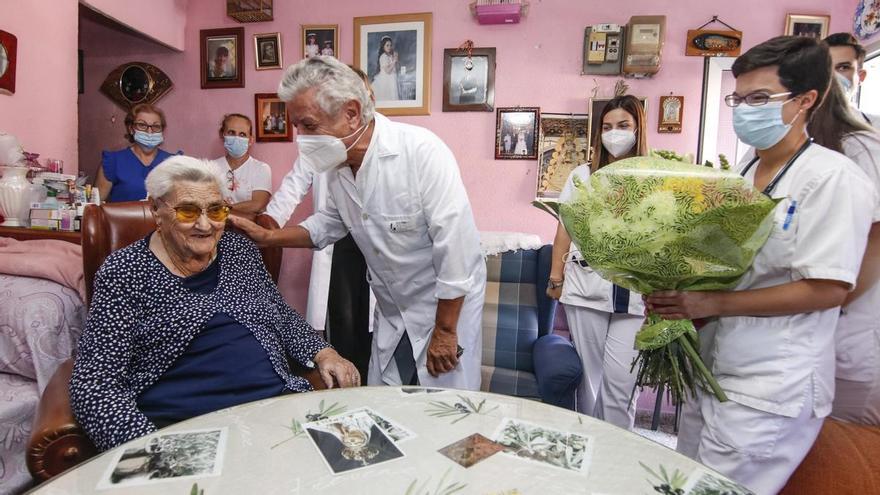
pixel 144 127
pixel 230 180
pixel 751 99
pixel 191 213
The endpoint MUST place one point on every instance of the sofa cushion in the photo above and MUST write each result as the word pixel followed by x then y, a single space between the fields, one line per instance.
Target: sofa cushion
pixel 510 313
pixel 558 370
pixel 509 382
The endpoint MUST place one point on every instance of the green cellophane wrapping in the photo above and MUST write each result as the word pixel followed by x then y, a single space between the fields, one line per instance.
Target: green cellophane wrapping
pixel 650 224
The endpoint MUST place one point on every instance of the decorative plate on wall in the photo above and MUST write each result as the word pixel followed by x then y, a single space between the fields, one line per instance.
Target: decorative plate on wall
pixel 8 43
pixel 136 82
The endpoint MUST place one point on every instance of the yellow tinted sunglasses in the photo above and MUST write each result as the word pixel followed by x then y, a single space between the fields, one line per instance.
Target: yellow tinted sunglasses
pixel 191 213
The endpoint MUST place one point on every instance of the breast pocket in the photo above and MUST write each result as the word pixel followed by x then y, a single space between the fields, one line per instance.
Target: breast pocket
pixel 778 251
pixel 405 229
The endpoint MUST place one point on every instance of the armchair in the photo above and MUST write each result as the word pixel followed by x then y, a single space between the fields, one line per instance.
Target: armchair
pixel 57 442
pixel 521 356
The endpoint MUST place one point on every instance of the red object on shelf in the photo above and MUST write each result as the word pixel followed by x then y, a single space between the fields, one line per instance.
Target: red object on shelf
pixel 499 13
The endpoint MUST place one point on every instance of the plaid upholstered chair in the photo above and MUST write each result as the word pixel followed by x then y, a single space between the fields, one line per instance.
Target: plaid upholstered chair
pixel 521 356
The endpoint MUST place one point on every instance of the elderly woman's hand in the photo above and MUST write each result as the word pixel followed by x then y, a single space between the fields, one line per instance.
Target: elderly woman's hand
pixel 331 365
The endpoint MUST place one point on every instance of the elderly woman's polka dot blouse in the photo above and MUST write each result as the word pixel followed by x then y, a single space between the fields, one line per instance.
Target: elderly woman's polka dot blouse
pixel 142 319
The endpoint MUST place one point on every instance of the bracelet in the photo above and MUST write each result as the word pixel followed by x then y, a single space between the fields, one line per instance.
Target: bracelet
pixel 554 284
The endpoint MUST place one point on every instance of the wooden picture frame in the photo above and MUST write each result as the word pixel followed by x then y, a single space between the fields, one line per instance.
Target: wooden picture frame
pixel 563 145
pixel 267 51
pixel 222 58
pixel 322 35
pixel 670 114
pixel 401 74
pixel 812 26
pixel 596 107
pixel 8 61
pixel 516 133
pixel 136 82
pixel 469 90
pixel 271 119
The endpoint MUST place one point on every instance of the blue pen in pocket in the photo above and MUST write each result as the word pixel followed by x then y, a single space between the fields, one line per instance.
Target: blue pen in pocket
pixel 789 215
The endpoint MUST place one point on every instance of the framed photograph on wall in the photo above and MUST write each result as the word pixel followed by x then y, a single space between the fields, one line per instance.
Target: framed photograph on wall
pixel 272 120
pixel 810 26
pixel 267 51
pixel 671 112
pixel 596 107
pixel 8 55
pixel 516 133
pixel 563 144
pixel 469 80
pixel 395 53
pixel 320 39
pixel 222 58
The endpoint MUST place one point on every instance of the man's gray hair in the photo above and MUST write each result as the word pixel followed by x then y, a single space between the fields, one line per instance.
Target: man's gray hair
pixel 178 168
pixel 336 84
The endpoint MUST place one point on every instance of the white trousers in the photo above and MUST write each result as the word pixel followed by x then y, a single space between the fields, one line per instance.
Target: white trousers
pixel 757 449
pixel 605 344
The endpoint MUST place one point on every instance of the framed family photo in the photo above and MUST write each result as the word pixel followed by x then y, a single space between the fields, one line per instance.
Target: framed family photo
pixel 320 39
pixel 810 26
pixel 469 80
pixel 563 144
pixel 272 121
pixel 267 51
pixel 395 53
pixel 222 58
pixel 516 133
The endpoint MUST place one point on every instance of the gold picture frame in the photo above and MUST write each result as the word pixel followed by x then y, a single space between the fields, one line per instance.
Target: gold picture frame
pixel 811 26
pixel 401 72
pixel 322 34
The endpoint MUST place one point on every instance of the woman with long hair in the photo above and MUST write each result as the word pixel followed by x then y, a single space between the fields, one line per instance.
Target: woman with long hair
pixel 603 318
pixel 385 80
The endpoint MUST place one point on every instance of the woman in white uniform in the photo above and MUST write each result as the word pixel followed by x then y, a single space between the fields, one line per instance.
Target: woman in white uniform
pixel 248 180
pixel 771 345
pixel 602 317
pixel 857 381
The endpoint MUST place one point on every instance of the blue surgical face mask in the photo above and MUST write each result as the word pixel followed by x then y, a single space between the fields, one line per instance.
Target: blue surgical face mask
pixel 846 84
pixel 236 146
pixel 148 140
pixel 762 126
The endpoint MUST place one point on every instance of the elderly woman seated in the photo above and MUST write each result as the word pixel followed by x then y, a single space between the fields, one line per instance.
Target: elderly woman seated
pixel 187 320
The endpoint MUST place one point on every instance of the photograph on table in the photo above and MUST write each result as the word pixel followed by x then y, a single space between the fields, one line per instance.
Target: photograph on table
pixel 320 39
pixel 596 105
pixel 271 119
pixel 563 144
pixel 810 26
pixel 267 51
pixel 395 53
pixel 351 441
pixel 421 390
pixel 164 457
pixel 705 483
pixel 471 450
pixel 469 80
pixel 547 446
pixel 516 133
pixel 393 429
pixel 222 58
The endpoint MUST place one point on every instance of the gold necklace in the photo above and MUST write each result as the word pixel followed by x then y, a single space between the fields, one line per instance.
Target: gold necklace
pixel 182 269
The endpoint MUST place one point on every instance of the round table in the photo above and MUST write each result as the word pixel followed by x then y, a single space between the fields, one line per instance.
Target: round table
pixel 415 441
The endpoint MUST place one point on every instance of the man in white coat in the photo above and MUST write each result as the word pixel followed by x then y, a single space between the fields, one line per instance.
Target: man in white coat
pixel 397 189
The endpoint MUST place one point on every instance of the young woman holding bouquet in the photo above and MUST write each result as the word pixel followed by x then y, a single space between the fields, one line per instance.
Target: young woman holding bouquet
pixel 602 317
pixel 770 342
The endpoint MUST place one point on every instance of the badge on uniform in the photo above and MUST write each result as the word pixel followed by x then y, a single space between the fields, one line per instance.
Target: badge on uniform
pixel 400 226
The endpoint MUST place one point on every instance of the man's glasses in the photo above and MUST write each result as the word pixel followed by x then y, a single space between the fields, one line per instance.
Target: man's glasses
pixel 144 127
pixel 191 213
pixel 230 180
pixel 751 99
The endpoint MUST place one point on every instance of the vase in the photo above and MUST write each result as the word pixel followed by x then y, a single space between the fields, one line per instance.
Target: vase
pixel 15 196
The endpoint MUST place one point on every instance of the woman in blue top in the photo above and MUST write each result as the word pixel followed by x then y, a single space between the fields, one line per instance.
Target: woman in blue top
pixel 122 173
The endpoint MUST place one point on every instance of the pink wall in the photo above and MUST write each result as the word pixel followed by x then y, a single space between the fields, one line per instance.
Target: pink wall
pixel 539 64
pixel 42 112
pixel 161 20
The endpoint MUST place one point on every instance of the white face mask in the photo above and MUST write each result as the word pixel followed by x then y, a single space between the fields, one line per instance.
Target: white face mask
pixel 618 142
pixel 323 152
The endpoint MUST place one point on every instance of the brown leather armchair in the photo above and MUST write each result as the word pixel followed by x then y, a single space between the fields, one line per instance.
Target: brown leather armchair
pixel 57 441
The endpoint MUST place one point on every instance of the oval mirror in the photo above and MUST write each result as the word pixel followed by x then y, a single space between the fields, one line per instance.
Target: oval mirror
pixel 134 84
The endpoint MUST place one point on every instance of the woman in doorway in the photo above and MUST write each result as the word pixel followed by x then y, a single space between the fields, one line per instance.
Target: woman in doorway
pixel 122 173
pixel 602 317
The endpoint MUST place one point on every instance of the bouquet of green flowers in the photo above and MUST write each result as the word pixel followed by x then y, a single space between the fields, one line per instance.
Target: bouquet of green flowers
pixel 650 224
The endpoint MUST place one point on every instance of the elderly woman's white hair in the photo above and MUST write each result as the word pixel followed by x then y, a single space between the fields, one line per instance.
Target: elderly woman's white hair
pixel 177 169
pixel 335 81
